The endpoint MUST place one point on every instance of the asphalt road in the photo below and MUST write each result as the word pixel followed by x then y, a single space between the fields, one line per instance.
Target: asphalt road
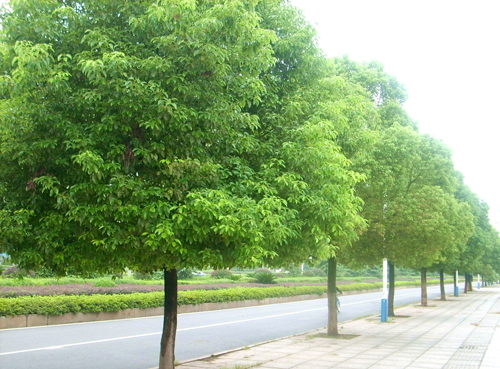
pixel 134 343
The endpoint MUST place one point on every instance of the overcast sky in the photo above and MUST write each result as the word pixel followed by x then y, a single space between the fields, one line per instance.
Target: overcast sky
pixel 447 55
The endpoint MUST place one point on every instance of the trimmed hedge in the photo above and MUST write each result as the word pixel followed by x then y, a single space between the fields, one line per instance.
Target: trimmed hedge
pixel 57 305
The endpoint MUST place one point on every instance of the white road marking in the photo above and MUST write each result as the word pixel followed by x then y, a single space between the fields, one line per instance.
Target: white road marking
pixel 77 344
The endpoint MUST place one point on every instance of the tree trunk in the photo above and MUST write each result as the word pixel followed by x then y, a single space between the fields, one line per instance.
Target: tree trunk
pixel 332 328
pixel 470 282
pixel 392 286
pixel 455 282
pixel 465 283
pixel 441 283
pixel 167 345
pixel 423 286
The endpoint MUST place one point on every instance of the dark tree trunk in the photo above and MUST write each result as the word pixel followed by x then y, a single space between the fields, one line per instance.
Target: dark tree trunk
pixel 392 287
pixel 167 346
pixel 423 286
pixel 441 283
pixel 465 283
pixel 332 328
pixel 470 282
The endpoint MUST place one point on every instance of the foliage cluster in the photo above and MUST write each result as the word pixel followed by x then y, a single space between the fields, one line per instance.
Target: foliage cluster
pixel 221 274
pixel 185 273
pixel 155 275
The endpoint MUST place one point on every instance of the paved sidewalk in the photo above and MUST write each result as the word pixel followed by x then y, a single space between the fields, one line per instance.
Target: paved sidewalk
pixel 463 332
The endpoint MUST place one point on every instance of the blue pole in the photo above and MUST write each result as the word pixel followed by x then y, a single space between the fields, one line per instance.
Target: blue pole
pixel 384 311
pixel 456 291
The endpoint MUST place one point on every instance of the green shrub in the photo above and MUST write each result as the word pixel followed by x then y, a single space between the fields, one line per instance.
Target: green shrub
pixel 265 277
pixel 185 273
pixel 235 277
pixel 143 276
pixel 309 273
pixel 157 276
pixel 103 282
pixel 317 272
pixel 14 272
pixel 221 274
pixel 44 273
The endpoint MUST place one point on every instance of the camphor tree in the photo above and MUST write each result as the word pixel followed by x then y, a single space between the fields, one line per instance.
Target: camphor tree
pixel 150 135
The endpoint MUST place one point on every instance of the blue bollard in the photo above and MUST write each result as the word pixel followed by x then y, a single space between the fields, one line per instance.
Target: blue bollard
pixel 384 311
pixel 456 291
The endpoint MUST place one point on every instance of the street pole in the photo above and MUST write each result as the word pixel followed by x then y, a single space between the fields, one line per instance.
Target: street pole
pixel 384 308
pixel 456 284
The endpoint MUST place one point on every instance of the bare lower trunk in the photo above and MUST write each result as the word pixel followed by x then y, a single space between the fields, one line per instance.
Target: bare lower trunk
pixel 167 346
pixel 392 291
pixel 441 283
pixel 470 282
pixel 465 283
pixel 423 286
pixel 332 329
pixel 455 282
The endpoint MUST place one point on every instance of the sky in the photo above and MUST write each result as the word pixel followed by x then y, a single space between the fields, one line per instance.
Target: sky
pixel 447 55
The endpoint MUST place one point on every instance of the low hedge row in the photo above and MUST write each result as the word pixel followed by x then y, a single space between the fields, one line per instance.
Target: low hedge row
pixel 57 305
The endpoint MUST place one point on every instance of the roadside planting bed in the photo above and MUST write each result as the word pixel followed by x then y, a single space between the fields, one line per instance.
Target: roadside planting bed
pixel 88 298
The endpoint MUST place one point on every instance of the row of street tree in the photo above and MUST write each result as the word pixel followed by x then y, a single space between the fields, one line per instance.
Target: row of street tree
pixel 159 135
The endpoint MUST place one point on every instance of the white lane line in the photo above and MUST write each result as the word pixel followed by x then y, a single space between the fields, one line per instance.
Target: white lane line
pixel 77 344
